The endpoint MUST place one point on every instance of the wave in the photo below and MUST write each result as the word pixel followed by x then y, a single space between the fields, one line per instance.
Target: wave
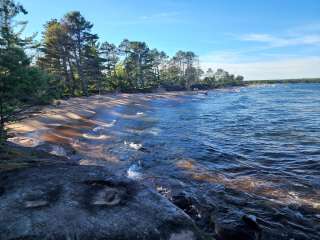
pixel 58 151
pixel 135 146
pixel 93 137
pixel 105 125
pixel 133 172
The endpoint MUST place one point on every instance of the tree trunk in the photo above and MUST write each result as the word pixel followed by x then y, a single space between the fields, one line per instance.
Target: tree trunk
pixel 68 82
pixel 82 79
pixel 81 76
pixel 72 78
pixel 141 78
pixel 3 134
pixel 79 67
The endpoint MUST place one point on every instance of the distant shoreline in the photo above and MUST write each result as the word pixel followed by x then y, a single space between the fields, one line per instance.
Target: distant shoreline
pixel 282 81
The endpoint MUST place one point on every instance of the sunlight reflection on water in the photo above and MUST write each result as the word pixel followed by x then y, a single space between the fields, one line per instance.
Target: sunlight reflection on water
pixel 262 141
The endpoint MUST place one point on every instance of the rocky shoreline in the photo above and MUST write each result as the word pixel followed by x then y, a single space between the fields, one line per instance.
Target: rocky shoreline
pixel 43 196
pixel 51 196
pixel 85 202
pixel 46 194
pixel 95 202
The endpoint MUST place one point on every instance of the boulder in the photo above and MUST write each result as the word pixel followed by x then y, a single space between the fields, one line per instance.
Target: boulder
pixel 236 226
pixel 85 202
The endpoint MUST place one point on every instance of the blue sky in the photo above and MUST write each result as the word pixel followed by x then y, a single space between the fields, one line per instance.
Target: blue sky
pixel 258 39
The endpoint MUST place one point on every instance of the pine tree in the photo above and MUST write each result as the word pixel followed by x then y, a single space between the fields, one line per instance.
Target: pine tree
pixel 79 33
pixel 93 65
pixel 56 56
pixel 13 61
pixel 21 84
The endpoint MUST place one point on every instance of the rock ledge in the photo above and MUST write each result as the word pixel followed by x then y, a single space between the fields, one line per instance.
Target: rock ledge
pixel 85 202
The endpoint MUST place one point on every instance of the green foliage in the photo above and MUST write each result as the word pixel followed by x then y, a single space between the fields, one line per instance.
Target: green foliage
pixel 72 62
pixel 56 56
pixel 222 78
pixel 73 55
pixel 20 84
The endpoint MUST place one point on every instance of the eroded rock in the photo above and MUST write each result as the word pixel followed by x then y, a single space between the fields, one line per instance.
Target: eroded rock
pixel 86 202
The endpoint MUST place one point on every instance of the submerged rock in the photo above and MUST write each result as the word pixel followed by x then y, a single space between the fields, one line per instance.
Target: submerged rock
pixel 233 226
pixel 86 202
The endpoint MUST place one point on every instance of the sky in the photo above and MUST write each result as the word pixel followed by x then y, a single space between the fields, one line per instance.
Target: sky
pixel 274 39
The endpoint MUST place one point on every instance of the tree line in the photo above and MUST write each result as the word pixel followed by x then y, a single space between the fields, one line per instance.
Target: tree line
pixel 83 65
pixel 71 60
pixel 283 81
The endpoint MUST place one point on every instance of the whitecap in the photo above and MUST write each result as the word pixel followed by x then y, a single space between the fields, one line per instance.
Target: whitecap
pixel 89 136
pixel 154 131
pixel 96 129
pixel 58 151
pixel 133 172
pixel 108 125
pixel 25 141
pixel 163 191
pixel 140 113
pixel 135 146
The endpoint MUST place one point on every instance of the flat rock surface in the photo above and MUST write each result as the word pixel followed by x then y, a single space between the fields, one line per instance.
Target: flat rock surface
pixel 85 202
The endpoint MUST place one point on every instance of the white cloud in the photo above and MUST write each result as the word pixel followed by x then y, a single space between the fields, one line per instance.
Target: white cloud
pixel 258 62
pixel 273 41
pixel 257 37
pixel 222 57
pixel 307 67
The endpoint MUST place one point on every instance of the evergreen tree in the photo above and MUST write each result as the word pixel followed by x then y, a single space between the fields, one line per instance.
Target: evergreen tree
pixel 111 56
pixel 21 84
pixel 56 56
pixel 13 61
pixel 79 33
pixel 93 65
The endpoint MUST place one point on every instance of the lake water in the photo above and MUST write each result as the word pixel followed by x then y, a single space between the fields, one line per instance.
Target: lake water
pixel 250 149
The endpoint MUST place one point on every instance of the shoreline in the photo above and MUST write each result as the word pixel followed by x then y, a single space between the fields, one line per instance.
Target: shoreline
pixel 55 123
pixel 80 110
pixel 32 170
pixel 66 122
pixel 54 129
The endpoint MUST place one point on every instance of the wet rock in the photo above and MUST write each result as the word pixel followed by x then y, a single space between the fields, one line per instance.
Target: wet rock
pixel 182 235
pixel 233 226
pixel 182 201
pixel 105 193
pixel 2 191
pixel 86 202
pixel 231 231
pixel 251 221
pixel 108 197
pixel 187 204
pixel 198 209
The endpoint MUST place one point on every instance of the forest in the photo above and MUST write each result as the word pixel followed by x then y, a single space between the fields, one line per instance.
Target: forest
pixel 71 60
